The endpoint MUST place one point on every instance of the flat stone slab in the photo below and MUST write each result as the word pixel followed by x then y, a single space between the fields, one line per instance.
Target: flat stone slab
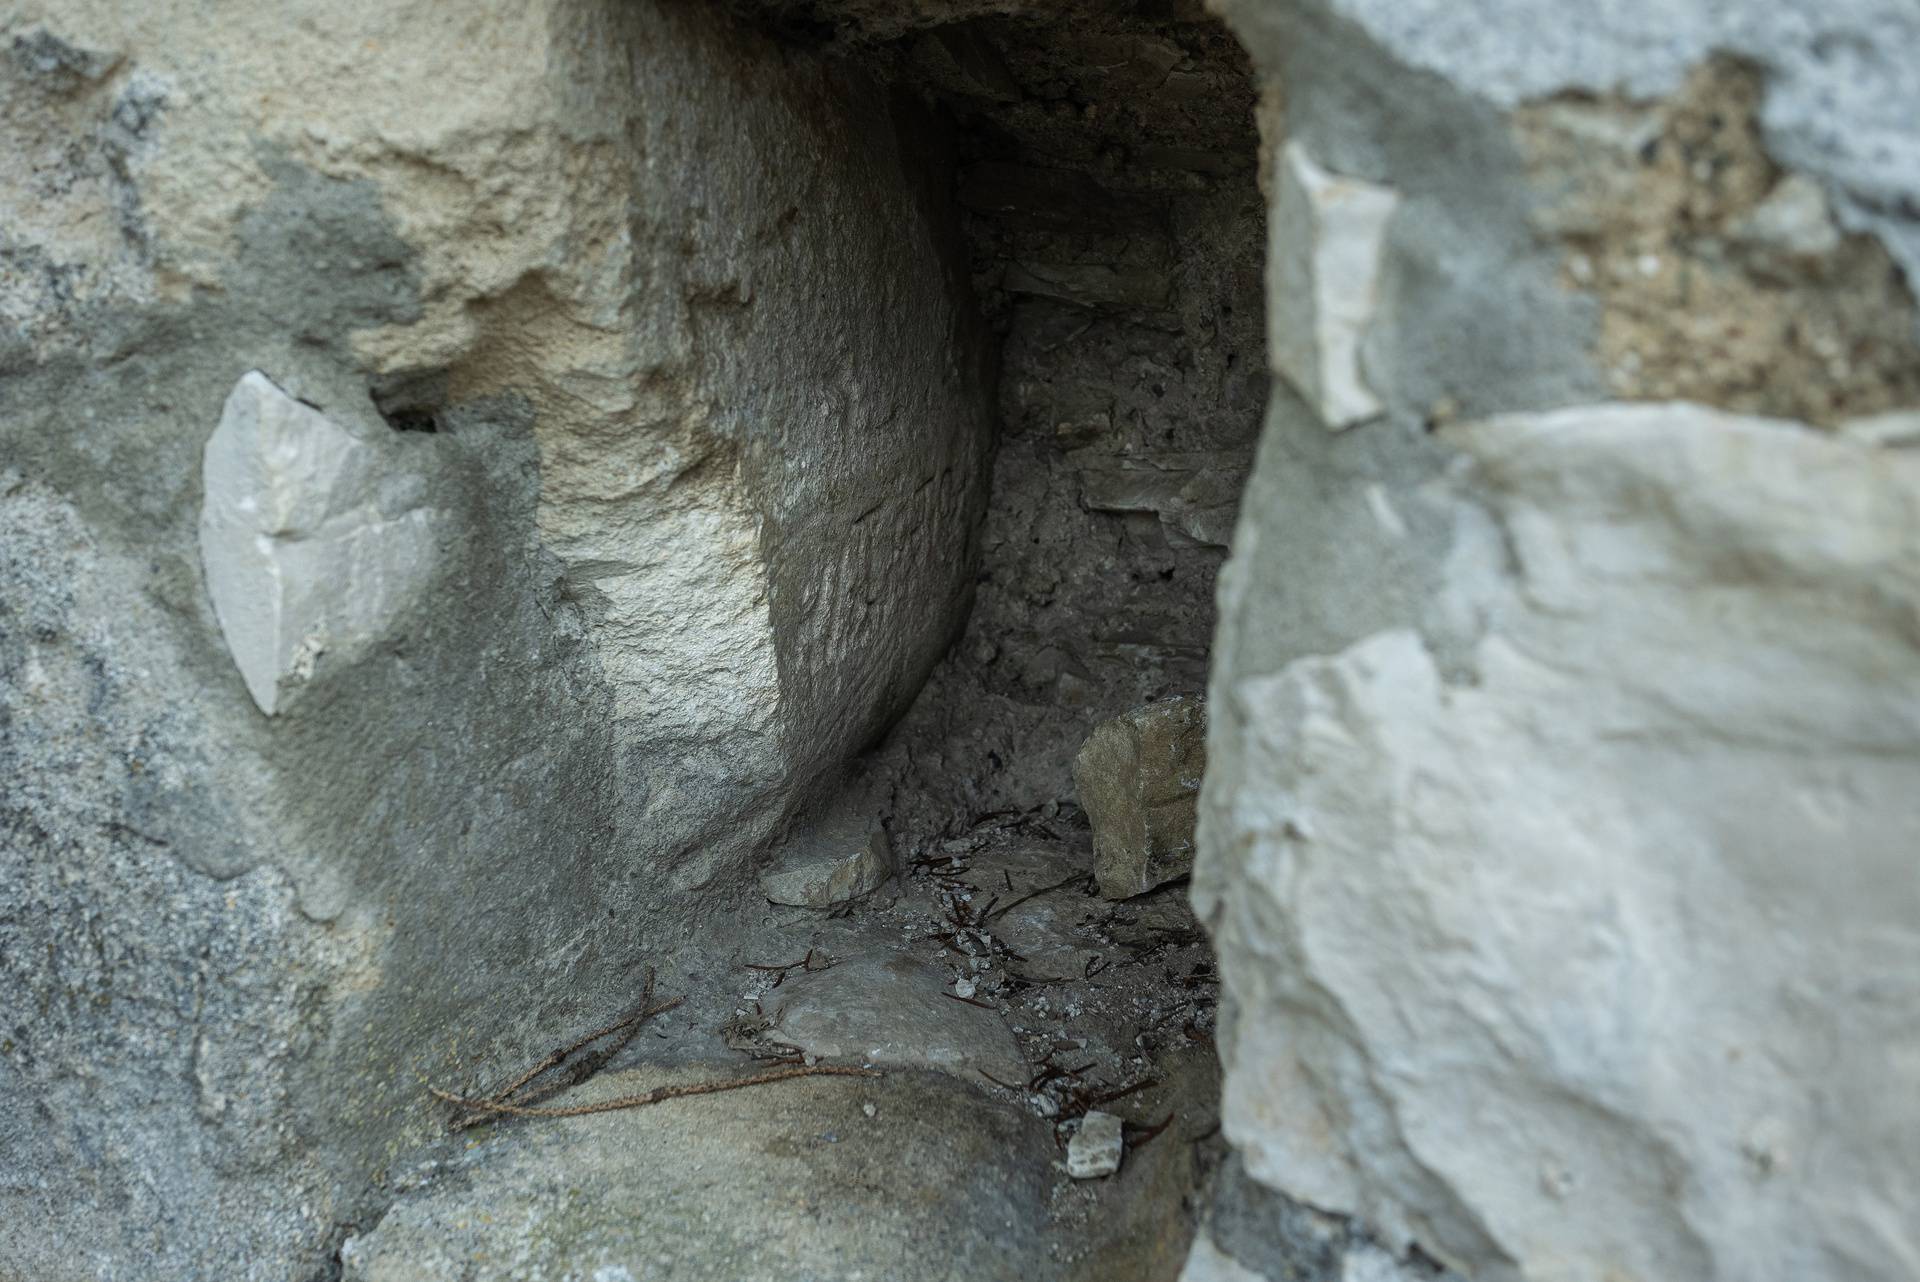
pixel 895 1012
pixel 775 1183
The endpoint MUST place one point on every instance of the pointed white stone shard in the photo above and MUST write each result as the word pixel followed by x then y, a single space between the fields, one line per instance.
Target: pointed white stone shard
pixel 1327 234
pixel 312 541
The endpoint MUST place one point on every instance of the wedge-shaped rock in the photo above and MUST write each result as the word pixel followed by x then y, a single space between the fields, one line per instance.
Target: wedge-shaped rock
pixel 1138 776
pixel 1327 233
pixel 842 856
pixel 313 540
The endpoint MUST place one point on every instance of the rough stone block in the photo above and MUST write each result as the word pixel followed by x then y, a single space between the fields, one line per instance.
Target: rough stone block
pixel 1138 776
pixel 314 540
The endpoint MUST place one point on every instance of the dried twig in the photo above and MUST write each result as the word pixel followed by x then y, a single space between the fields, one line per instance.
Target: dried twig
pixel 658 1093
pixel 1044 890
pixel 968 1000
pixel 1149 1133
pixel 632 1019
pixel 517 1097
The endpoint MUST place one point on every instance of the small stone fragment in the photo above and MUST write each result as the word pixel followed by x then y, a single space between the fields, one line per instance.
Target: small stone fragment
pixel 1328 236
pixel 1793 221
pixel 842 856
pixel 1095 1148
pixel 1138 778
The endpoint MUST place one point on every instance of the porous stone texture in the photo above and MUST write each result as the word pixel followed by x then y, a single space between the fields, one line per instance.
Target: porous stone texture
pixel 1551 838
pixel 669 330
pixel 1096 1148
pixel 835 858
pixel 312 539
pixel 1138 778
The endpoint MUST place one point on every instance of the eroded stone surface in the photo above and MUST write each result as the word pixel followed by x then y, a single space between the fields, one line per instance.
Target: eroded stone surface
pixel 1138 776
pixel 1681 698
pixel 655 283
pixel 1720 277
pixel 314 540
pixel 763 1185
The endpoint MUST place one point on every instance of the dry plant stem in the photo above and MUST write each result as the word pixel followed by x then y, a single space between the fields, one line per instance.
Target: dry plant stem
pixel 1044 890
pixel 657 1094
pixel 586 1066
pixel 633 1018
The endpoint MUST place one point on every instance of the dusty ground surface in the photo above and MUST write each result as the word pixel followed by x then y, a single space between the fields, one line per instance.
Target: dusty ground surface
pixel 1000 1000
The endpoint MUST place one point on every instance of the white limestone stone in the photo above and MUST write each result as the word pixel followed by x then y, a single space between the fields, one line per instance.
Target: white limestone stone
pixel 1095 1148
pixel 1604 962
pixel 313 543
pixel 1325 239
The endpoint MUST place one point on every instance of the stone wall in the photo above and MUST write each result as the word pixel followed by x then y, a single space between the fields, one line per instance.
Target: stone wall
pixel 675 331
pixel 1557 836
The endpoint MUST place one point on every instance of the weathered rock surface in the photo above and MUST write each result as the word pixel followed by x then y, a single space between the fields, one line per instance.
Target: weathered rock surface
pixel 1138 777
pixel 313 539
pixel 1253 1234
pixel 676 328
pixel 1499 941
pixel 1481 1000
pixel 839 857
pixel 896 1012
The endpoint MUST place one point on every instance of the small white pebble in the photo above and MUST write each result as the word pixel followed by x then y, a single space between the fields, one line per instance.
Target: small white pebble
pixel 963 988
pixel 869 1109
pixel 1096 1147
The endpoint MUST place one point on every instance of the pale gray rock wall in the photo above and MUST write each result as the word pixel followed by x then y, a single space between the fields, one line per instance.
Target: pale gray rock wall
pixel 708 425
pixel 1554 837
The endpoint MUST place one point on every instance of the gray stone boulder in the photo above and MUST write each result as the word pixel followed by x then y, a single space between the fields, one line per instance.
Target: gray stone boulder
pixel 1138 778
pixel 500 399
pixel 1540 721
